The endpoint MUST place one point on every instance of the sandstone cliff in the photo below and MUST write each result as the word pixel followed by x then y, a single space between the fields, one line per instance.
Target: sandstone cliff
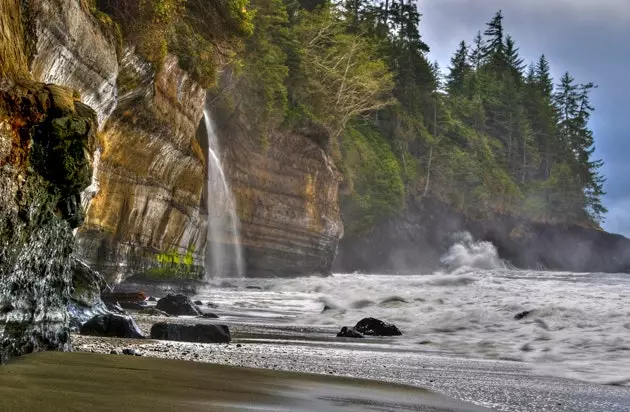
pixel 144 203
pixel 146 206
pixel 146 215
pixel 287 199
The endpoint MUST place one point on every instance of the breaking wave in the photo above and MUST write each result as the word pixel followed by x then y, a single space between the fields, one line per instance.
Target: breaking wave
pixel 570 324
pixel 466 252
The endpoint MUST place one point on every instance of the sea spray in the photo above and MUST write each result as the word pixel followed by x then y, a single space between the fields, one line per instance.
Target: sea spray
pixel 225 255
pixel 467 252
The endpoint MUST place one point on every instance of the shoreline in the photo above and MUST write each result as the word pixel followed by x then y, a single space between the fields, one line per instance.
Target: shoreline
pixel 495 384
pixel 82 381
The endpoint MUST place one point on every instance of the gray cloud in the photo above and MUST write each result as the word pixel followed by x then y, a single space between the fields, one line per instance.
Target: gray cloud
pixel 588 38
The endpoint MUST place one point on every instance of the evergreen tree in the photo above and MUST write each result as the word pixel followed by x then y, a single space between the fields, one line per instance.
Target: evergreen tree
pixel 458 70
pixel 567 106
pixel 494 48
pixel 512 59
pixel 543 77
pixel 477 51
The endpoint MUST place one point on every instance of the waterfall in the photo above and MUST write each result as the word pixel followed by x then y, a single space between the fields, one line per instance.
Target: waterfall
pixel 225 257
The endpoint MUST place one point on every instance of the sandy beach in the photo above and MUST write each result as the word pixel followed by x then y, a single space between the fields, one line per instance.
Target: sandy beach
pixel 57 381
pixel 494 384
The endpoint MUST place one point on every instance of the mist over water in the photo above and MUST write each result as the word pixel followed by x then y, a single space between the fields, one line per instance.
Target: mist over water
pixel 225 255
pixel 578 327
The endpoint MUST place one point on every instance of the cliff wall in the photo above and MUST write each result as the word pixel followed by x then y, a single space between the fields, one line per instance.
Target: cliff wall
pixel 46 136
pixel 146 204
pixel 286 192
pixel 146 216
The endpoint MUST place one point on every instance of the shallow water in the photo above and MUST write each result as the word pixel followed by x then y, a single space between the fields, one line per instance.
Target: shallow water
pixel 579 327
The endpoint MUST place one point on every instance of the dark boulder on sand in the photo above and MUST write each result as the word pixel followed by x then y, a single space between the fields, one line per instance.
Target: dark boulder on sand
pixel 153 312
pixel 115 308
pixel 191 333
pixel 209 315
pixel 112 326
pixel 178 305
pixel 376 327
pixel 349 332
pixel 132 305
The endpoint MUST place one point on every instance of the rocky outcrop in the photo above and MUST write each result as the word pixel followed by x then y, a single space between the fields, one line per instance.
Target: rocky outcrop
pixel 145 208
pixel 147 216
pixel 45 134
pixel 415 242
pixel 287 199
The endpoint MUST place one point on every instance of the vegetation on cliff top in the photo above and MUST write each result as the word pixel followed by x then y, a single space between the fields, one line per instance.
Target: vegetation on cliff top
pixel 489 136
pixel 202 34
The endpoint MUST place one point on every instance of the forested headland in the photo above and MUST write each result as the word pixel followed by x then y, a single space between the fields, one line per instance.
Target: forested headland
pixel 490 133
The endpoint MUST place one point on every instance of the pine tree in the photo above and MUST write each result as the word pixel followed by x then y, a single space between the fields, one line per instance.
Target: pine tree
pixel 567 106
pixel 543 77
pixel 512 59
pixel 477 51
pixel 494 48
pixel 458 70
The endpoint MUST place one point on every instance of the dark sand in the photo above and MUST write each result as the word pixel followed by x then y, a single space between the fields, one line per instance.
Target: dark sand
pixel 56 381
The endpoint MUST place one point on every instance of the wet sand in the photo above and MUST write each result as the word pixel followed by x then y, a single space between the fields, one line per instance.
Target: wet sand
pixel 496 384
pixel 56 381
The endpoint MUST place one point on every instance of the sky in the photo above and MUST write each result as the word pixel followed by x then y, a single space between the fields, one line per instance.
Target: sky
pixel 588 38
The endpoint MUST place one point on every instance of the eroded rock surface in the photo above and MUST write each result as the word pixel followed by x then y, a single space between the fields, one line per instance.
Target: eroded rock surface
pixel 147 216
pixel 287 199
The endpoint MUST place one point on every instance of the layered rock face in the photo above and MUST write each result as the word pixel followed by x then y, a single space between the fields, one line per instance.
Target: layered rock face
pixel 287 200
pixel 415 242
pixel 147 215
pixel 146 211
pixel 73 50
pixel 143 204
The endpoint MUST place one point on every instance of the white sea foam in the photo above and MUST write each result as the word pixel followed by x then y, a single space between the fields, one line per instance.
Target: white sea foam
pixel 578 326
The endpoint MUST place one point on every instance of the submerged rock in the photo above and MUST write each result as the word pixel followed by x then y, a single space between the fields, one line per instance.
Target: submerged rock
pixel 178 305
pixel 376 327
pixel 349 332
pixel 191 333
pixel 111 325
pixel 198 302
pixel 522 314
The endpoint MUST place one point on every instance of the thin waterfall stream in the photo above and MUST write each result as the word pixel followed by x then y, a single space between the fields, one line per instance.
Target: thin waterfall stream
pixel 225 254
